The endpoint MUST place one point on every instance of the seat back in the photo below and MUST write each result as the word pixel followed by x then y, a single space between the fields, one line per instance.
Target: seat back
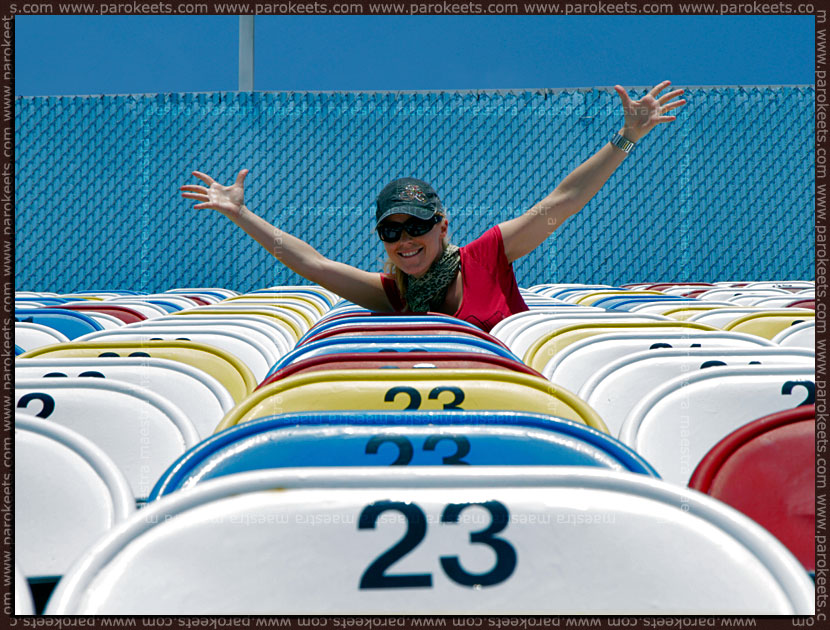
pixel 68 493
pixel 71 324
pixel 615 389
pixel 434 389
pixel 407 438
pixel 398 360
pixel 429 540
pixel 31 336
pixel 140 431
pixel 769 324
pixel 355 331
pixel 801 335
pixel 507 328
pixel 767 470
pixel 280 334
pixel 286 317
pixel 264 339
pixel 548 345
pixel 526 335
pixel 232 373
pixel 202 398
pixel 253 354
pixel 680 421
pixel 393 343
pixel 579 361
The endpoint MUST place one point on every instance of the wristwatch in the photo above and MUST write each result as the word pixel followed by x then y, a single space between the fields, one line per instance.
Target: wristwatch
pixel 622 142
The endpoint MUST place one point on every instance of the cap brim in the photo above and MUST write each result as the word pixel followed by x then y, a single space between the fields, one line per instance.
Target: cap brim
pixel 415 211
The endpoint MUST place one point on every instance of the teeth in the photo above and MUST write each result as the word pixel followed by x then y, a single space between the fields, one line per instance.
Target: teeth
pixel 409 254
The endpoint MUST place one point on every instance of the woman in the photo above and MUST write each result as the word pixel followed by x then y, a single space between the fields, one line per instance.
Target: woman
pixel 425 272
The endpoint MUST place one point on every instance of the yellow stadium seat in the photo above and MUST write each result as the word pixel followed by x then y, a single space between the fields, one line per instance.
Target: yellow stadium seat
pixel 427 389
pixel 770 323
pixel 224 367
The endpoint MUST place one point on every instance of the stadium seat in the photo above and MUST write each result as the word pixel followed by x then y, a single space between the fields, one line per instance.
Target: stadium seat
pixel 31 336
pixel 202 398
pixel 150 311
pixel 434 389
pixel 256 353
pixel 124 313
pixel 769 324
pixel 140 431
pixel 437 540
pixel 676 424
pixel 309 314
pixel 525 335
pixel 801 335
pixel 412 321
pixel 330 297
pixel 289 318
pixel 767 470
pixel 320 305
pixel 68 492
pixel 507 328
pixel 224 367
pixel 356 331
pixel 218 292
pixel 803 303
pixel 417 438
pixel 614 389
pixel 589 298
pixel 279 335
pixel 71 324
pixel 685 313
pixel 579 361
pixel 548 345
pixel 729 294
pixel 23 604
pixel 394 343
pixel 399 360
pixel 659 308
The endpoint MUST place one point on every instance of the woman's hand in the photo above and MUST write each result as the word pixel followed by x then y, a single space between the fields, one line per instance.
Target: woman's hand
pixel 643 115
pixel 226 199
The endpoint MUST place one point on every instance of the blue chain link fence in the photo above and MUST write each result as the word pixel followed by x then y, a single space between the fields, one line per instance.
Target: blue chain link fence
pixel 724 193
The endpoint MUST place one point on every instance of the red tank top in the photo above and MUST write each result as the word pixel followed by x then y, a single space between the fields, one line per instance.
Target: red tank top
pixel 490 292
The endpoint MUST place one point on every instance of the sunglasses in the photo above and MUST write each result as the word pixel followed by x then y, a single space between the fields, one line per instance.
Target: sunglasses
pixel 391 232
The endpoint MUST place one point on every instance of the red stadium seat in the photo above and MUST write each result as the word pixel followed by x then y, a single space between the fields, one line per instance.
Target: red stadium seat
pixel 402 360
pixel 766 469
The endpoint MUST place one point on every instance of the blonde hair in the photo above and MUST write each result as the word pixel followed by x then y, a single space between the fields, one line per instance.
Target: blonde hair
pixel 399 276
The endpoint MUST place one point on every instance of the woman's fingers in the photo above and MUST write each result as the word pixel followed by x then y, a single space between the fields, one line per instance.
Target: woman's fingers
pixel 205 178
pixel 669 96
pixel 195 197
pixel 194 188
pixel 674 104
pixel 659 88
pixel 626 100
pixel 240 179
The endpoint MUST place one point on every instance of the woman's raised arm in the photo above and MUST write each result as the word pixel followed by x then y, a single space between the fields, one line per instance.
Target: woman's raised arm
pixel 361 287
pixel 525 233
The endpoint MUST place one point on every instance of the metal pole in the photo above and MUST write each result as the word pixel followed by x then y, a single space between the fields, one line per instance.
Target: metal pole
pixel 246 53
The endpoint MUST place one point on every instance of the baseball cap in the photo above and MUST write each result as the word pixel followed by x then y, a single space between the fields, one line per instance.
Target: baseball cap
pixel 407 196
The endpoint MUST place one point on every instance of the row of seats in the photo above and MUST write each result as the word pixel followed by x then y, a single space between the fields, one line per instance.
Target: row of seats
pixel 290 380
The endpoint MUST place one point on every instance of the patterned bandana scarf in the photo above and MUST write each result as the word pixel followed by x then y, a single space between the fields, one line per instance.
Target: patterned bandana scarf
pixel 428 292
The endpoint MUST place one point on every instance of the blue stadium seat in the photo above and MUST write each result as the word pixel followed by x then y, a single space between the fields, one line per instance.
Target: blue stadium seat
pixel 71 323
pixel 425 438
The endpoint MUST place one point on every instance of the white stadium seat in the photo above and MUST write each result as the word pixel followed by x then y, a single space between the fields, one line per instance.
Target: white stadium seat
pixel 494 540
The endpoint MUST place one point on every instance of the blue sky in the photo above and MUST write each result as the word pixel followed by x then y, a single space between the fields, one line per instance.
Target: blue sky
pixel 69 55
